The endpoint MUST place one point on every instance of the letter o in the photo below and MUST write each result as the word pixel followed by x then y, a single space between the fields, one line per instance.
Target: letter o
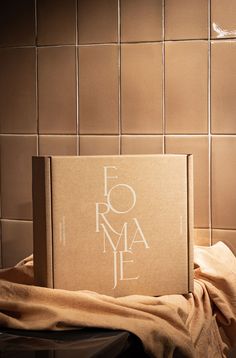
pixel 133 195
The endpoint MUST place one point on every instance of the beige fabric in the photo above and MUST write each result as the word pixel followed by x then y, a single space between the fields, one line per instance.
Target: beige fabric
pixel 202 324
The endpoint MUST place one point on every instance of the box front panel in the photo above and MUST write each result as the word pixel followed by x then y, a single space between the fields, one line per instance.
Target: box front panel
pixel 120 224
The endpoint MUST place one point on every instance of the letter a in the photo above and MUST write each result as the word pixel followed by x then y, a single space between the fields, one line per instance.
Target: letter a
pixel 138 230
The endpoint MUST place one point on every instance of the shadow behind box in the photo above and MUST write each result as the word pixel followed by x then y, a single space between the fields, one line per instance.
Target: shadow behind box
pixel 83 343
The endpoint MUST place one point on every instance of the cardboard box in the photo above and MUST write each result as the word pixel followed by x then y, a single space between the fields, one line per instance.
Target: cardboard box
pixel 117 225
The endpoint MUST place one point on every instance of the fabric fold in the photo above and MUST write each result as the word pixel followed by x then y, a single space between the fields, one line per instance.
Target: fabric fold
pixel 192 325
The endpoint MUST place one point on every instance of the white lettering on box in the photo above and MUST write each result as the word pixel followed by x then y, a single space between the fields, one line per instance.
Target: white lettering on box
pixel 121 240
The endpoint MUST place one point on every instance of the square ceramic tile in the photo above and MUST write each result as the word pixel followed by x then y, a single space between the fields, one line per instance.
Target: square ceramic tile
pixel 57 145
pixel 142 144
pixel 223 24
pixel 97 21
pixel 224 182
pixel 198 146
pixel 57 90
pixel 141 20
pixel 99 145
pixel 16 176
pixel 202 237
pixel 141 88
pixel 186 19
pixel 186 87
pixel 98 89
pixel 226 236
pixel 223 86
pixel 56 22
pixel 17 23
pixel 17 241
pixel 18 90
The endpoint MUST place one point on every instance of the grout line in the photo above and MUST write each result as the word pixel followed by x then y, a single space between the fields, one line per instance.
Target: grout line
pixel 209 20
pixel 209 123
pixel 58 45
pixel 148 41
pixel 20 220
pixel 163 100
pixel 223 39
pixel 77 99
pixel 160 135
pixel 99 44
pixel 77 78
pixel 119 21
pixel 227 135
pixel 163 20
pixel 36 74
pixel 232 39
pixel 78 144
pixel 17 47
pixel 201 134
pixel 36 22
pixel 163 79
pixel 18 134
pixel 56 135
pixel 185 135
pixel 201 228
pixel 76 24
pixel 222 229
pixel 121 42
pixel 187 40
pixel 119 72
pixel 37 102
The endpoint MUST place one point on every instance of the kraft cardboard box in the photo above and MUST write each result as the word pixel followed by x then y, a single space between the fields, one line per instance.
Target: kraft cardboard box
pixel 117 225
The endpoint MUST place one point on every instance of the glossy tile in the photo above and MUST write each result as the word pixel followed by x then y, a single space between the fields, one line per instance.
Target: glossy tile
pixel 98 89
pixel 186 87
pixel 223 182
pixel 17 23
pixel 226 236
pixel 56 22
pixel 202 237
pixel 198 146
pixel 57 145
pixel 97 21
pixel 187 19
pixel 16 157
pixel 17 241
pixel 223 24
pixel 57 90
pixel 142 144
pixel 141 20
pixel 99 145
pixel 18 90
pixel 223 86
pixel 141 88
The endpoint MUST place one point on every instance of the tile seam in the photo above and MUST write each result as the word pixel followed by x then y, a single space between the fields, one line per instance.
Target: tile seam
pixel 77 78
pixel 163 80
pixel 16 220
pixel 119 73
pixel 209 123
pixel 36 78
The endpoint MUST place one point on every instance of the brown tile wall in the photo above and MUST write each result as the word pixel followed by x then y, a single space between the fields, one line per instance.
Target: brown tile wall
pixel 87 77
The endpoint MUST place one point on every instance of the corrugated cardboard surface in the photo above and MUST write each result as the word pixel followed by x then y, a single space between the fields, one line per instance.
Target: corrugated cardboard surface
pixel 119 224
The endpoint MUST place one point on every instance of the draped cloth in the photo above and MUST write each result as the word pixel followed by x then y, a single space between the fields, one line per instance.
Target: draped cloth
pixel 199 324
